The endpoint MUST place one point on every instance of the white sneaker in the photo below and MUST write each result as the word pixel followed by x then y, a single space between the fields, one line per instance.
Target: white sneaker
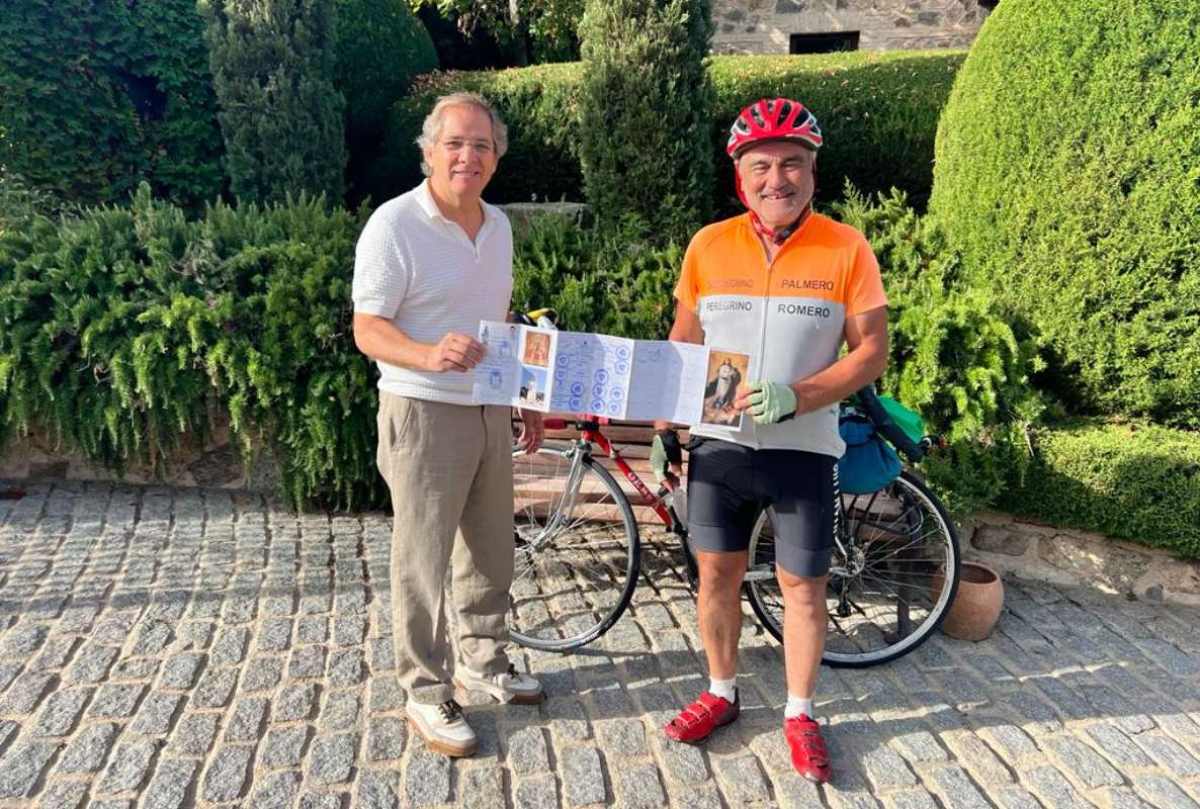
pixel 443 728
pixel 508 686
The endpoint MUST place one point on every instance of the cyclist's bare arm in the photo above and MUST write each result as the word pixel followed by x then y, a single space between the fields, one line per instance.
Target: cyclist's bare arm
pixel 382 340
pixel 685 329
pixel 867 340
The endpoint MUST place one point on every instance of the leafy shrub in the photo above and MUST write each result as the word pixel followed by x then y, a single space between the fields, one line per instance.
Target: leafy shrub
pixel 1066 173
pixel 381 47
pixel 645 112
pixel 1131 481
pixel 955 357
pixel 608 281
pixel 98 96
pixel 273 66
pixel 879 113
pixel 127 328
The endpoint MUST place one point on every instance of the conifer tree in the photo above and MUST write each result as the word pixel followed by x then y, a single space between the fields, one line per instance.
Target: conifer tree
pixel 273 65
pixel 646 110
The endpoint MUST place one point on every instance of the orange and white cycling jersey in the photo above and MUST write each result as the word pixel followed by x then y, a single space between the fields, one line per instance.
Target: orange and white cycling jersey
pixel 789 315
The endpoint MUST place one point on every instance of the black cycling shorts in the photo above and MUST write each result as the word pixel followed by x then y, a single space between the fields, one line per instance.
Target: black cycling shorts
pixel 729 485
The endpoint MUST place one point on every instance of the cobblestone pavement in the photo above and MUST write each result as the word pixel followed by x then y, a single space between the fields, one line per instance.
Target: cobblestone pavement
pixel 164 648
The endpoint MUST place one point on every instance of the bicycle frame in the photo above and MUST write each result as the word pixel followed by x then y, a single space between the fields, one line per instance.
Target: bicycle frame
pixel 590 434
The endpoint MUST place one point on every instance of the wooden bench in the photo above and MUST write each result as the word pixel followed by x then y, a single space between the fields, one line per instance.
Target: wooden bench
pixel 632 439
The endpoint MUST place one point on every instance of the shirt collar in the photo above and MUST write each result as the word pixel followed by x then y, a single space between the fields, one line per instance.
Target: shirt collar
pixel 429 205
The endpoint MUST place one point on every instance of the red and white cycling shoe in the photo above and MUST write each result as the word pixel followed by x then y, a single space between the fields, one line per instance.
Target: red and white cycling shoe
pixel 697 721
pixel 809 755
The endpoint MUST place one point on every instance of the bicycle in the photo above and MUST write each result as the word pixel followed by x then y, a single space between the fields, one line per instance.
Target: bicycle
pixel 578 553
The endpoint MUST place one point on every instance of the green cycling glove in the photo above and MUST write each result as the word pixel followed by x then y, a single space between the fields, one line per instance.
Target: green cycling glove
pixel 664 451
pixel 771 402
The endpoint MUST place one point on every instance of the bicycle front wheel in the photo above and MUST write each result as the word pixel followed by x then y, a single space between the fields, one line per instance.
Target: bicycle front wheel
pixel 577 552
pixel 895 571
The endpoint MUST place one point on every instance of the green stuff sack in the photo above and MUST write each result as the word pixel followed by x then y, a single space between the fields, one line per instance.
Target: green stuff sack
pixel 909 421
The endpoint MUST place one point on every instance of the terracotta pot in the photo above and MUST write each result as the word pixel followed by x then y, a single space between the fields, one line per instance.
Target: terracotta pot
pixel 977 604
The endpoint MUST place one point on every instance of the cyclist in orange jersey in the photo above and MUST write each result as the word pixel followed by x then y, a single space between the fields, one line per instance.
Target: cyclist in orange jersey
pixel 788 287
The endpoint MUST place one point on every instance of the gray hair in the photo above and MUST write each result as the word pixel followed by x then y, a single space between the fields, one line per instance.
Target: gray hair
pixel 432 127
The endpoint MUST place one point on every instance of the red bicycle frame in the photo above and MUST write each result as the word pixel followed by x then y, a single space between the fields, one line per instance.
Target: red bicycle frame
pixel 589 429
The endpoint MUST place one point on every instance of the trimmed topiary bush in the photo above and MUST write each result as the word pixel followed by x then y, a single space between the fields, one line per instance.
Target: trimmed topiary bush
pixel 99 96
pixel 381 48
pixel 1129 481
pixel 273 65
pixel 1067 164
pixel 645 113
pixel 879 112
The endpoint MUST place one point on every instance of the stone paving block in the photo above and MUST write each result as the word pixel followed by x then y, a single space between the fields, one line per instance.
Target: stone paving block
pixel 230 646
pixel 156 713
pixel 1124 798
pixel 536 793
pixel 116 701
pixel 740 779
pixel 427 778
pixel 306 662
pixel 849 798
pixel 63 795
pixel 919 746
pixel 1170 754
pixel 214 688
pixel 340 711
pixel 1118 747
pixel 622 737
pixel 61 711
pixel 88 749
pixel 386 694
pixel 1080 761
pixel 956 789
pixel 23 697
pixel 885 769
pixel 128 768
pixel 151 637
pixel 22 765
pixel 525 751
pixel 1162 793
pixel 276 791
pixel 331 758
pixel 179 672
pixel 296 701
pixel 194 734
pixel 568 719
pixel 196 635
pixel 225 778
pixel 55 654
pixel 346 669
pixel 170 784
pixel 379 789
pixel 23 641
pixel 246 723
pixel 637 786
pixel 1014 797
pixel 138 668
pixel 1052 788
pixel 682 762
pixel 1009 741
pixel 284 746
pixel 386 738
pixel 312 629
pixel 480 786
pixel 262 674
pixel 274 635
pixel 583 776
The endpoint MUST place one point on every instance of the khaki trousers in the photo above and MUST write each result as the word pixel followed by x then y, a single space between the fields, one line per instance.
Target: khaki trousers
pixel 449 470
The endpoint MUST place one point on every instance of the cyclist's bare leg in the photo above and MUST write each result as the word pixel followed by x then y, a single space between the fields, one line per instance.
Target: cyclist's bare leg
pixel 720 609
pixel 804 623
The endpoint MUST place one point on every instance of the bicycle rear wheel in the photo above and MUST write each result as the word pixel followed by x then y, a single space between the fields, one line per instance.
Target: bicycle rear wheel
pixel 577 553
pixel 894 574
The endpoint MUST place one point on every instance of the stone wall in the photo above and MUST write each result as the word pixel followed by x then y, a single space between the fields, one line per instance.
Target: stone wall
pixel 765 26
pixel 1072 557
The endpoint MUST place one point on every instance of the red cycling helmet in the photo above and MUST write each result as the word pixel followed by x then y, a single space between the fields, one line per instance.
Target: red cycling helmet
pixel 773 119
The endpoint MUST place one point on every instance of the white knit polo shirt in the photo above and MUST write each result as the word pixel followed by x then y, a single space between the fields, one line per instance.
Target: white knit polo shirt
pixel 420 270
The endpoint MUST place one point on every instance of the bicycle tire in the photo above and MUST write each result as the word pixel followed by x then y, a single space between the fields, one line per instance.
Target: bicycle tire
pixel 917 506
pixel 566 599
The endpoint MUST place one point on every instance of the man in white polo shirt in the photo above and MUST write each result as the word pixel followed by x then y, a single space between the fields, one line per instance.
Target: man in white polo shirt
pixel 430 265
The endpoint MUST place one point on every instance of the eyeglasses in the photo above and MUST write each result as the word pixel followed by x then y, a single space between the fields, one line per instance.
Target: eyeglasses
pixel 458 144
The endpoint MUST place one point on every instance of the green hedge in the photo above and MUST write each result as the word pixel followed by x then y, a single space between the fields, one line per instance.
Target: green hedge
pixel 1067 165
pixel 1131 481
pixel 99 96
pixel 879 113
pixel 126 328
